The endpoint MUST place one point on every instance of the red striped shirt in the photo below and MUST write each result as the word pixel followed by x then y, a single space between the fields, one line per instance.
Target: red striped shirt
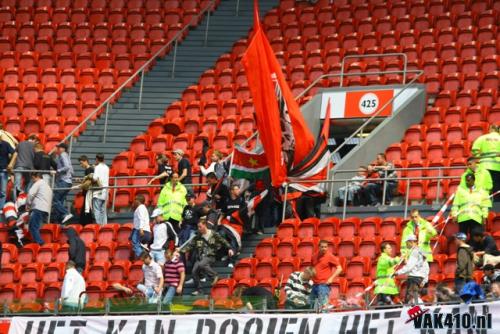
pixel 172 272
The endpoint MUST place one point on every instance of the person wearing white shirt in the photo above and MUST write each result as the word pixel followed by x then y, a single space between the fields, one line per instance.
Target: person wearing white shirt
pixel 99 197
pixel 141 233
pixel 153 279
pixel 217 166
pixel 159 237
pixel 73 286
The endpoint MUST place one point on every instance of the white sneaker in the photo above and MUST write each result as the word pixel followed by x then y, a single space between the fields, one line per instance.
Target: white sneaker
pixel 189 281
pixel 204 279
pixel 230 265
pixel 67 217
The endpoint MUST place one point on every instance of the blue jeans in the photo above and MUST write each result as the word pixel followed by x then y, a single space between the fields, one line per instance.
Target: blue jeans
pixel 99 209
pixel 4 178
pixel 169 295
pixel 137 240
pixel 149 292
pixel 18 181
pixel 185 233
pixel 58 209
pixel 320 292
pixel 36 219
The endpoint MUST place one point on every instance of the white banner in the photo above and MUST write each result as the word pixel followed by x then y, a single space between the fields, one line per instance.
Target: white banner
pixel 475 318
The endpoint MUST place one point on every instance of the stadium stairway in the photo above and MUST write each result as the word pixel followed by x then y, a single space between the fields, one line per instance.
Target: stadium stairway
pixel 160 89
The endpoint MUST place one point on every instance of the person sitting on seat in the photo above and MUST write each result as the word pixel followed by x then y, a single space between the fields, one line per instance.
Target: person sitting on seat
pixel 72 288
pixel 353 187
pixel 298 289
pixel 152 286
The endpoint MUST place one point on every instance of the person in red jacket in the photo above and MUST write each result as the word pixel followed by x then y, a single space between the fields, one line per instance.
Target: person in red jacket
pixel 327 267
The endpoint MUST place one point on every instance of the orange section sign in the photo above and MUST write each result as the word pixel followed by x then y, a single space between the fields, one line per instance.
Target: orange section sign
pixel 367 103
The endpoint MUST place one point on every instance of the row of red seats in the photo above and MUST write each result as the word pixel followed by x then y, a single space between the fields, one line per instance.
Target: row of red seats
pixel 466 98
pixel 47 109
pixel 119 270
pixel 33 75
pixel 331 52
pixel 452 132
pixel 461 81
pixel 384 25
pixel 130 4
pixel 231 107
pixel 450 115
pixel 56 31
pixel 47 61
pixel 97 15
pixel 25 55
pixel 364 11
pixel 370 39
pixel 51 92
pixel 30 293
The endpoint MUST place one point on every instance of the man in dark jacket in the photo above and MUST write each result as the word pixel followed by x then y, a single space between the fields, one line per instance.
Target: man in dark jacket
pixel 485 248
pixel 465 262
pixel 76 249
pixel 204 248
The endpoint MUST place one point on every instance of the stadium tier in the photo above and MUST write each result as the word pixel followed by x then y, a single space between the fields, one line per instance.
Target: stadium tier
pixel 61 59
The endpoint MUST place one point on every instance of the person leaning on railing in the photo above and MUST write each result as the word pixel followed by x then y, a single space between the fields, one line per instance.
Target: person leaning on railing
pixel 63 182
pixel 38 203
pixel 23 160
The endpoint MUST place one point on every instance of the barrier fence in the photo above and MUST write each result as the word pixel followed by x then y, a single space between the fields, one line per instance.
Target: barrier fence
pixel 327 185
pixel 138 304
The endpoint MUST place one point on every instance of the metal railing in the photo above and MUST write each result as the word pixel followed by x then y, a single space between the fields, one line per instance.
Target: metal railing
pixel 137 305
pixel 107 103
pixel 385 186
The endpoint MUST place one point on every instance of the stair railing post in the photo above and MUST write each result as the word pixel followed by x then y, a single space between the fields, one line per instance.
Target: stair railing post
pixel 237 7
pixel 52 184
pixel 346 191
pixel 283 214
pixel 70 146
pixel 206 28
pixel 175 57
pixel 105 132
pixel 438 190
pixel 114 197
pixel 407 198
pixel 140 92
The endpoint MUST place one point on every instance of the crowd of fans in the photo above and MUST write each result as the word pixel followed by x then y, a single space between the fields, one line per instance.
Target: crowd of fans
pixel 186 238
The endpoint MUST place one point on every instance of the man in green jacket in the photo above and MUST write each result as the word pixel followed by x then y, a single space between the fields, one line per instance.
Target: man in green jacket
pixel 172 201
pixel 470 206
pixel 483 177
pixel 487 148
pixel 385 285
pixel 424 231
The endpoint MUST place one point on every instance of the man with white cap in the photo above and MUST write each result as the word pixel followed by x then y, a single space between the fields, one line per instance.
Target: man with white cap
pixel 416 268
pixel 183 167
pixel 159 237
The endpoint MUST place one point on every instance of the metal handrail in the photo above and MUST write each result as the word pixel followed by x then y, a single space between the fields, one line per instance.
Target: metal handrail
pixel 398 54
pixel 382 207
pixel 133 76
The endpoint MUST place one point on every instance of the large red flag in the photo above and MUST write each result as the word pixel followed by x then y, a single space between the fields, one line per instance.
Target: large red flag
pixel 283 132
